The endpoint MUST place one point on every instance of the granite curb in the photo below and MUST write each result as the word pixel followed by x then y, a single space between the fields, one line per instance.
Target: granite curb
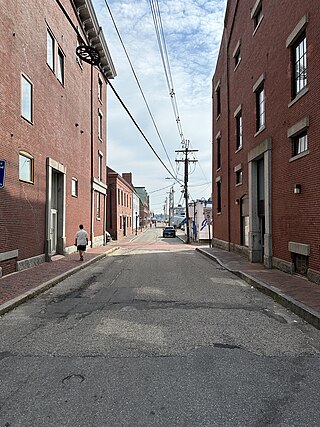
pixel 15 302
pixel 306 313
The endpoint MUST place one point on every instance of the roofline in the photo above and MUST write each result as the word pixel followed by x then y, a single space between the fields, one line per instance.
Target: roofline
pixel 95 36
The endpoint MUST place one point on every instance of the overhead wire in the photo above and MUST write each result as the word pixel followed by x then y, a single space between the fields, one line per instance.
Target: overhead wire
pixel 138 83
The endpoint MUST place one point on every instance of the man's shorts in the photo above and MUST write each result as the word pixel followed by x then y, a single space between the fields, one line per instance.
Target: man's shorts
pixel 81 248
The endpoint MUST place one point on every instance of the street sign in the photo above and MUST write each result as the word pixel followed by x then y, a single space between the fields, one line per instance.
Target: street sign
pixel 208 213
pixel 2 172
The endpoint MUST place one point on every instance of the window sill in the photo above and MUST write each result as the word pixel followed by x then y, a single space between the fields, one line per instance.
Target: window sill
pixel 219 213
pixel 258 25
pixel 100 139
pixel 238 149
pixel 27 120
pixel 219 169
pixel 298 96
pixel 236 67
pixel 259 131
pixel 74 195
pixel 26 181
pixel 298 156
pixel 239 183
pixel 218 117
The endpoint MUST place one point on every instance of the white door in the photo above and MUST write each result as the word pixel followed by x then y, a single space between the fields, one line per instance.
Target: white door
pixel 53 231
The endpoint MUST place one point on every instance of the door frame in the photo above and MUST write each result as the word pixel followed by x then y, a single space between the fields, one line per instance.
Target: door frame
pixel 52 166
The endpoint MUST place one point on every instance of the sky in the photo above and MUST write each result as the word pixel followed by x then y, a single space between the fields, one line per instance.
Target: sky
pixel 192 31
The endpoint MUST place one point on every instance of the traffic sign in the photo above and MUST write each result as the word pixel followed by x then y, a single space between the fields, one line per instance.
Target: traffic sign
pixel 2 173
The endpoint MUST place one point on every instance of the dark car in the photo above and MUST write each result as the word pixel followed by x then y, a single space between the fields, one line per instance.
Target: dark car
pixel 169 232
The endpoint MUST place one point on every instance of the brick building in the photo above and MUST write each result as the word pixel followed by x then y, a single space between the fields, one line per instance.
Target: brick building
pixel 120 222
pixel 144 206
pixel 266 125
pixel 52 131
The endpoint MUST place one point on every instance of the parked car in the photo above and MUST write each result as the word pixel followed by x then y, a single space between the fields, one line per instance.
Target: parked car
pixel 169 232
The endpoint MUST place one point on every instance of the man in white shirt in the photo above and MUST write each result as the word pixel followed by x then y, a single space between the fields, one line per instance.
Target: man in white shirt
pixel 81 241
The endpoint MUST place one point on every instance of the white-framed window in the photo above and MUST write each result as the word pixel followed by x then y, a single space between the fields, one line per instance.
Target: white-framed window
pixel 100 165
pixel 100 86
pixel 50 50
pixel 299 143
pixel 299 65
pixel 26 167
pixel 100 124
pixel 74 187
pixel 239 130
pixel 60 66
pixel 257 14
pixel 239 177
pixel 26 98
pixel 98 212
pixel 260 108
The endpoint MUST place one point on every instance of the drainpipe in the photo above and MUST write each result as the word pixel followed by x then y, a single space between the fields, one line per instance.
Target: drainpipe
pixel 92 161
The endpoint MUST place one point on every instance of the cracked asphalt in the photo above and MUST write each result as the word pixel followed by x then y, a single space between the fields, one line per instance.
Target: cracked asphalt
pixel 157 335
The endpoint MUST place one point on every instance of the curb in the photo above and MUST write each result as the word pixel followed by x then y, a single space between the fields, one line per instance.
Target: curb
pixel 306 313
pixel 15 302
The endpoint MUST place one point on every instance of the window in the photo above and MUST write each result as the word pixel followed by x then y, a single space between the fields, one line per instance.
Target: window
pixel 119 201
pixel 218 101
pixel 239 131
pixel 50 50
pixel 260 108
pixel 120 222
pixel 219 196
pixel 74 187
pixel 237 55
pixel 25 167
pixel 98 206
pixel 100 165
pixel 218 153
pixel 60 69
pixel 99 89
pixel 299 143
pixel 299 65
pixel 257 14
pixel 26 98
pixel 78 59
pixel 100 124
pixel 239 177
pixel 237 58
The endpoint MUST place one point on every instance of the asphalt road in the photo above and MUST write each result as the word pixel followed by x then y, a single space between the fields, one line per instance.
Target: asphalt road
pixel 157 335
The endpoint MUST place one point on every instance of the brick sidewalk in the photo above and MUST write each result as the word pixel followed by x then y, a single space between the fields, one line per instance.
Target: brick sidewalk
pixel 294 292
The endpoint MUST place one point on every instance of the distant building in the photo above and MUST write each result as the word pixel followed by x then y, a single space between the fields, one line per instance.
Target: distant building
pixel 120 221
pixel 266 126
pixel 52 130
pixel 145 215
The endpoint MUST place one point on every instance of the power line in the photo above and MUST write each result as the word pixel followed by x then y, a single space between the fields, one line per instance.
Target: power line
pixel 139 129
pixel 138 83
pixel 155 10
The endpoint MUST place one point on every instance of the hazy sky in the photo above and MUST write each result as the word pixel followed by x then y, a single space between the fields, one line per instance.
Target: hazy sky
pixel 192 30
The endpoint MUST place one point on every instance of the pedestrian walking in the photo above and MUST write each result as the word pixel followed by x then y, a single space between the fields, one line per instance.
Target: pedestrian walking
pixel 81 241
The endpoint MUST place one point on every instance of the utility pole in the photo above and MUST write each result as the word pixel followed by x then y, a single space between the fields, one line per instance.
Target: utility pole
pixel 186 162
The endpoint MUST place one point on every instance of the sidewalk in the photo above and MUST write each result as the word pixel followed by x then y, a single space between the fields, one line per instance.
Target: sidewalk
pixel 20 286
pixel 293 292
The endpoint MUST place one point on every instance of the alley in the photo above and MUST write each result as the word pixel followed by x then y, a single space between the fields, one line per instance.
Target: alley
pixel 156 334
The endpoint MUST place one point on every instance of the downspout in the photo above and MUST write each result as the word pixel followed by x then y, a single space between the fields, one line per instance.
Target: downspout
pixel 92 162
pixel 228 125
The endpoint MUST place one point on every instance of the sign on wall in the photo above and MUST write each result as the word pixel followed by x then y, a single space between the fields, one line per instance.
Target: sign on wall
pixel 2 173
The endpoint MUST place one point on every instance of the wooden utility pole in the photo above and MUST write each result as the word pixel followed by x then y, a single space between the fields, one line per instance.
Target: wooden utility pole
pixel 186 162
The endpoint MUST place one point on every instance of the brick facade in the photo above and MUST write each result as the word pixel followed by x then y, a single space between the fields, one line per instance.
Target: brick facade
pixel 263 215
pixel 120 219
pixel 40 213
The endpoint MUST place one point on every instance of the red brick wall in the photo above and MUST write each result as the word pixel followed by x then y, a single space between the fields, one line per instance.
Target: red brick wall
pixel 294 217
pixel 61 126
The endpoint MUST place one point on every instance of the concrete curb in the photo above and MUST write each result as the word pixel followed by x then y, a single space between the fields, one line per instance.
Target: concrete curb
pixel 297 307
pixel 15 302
